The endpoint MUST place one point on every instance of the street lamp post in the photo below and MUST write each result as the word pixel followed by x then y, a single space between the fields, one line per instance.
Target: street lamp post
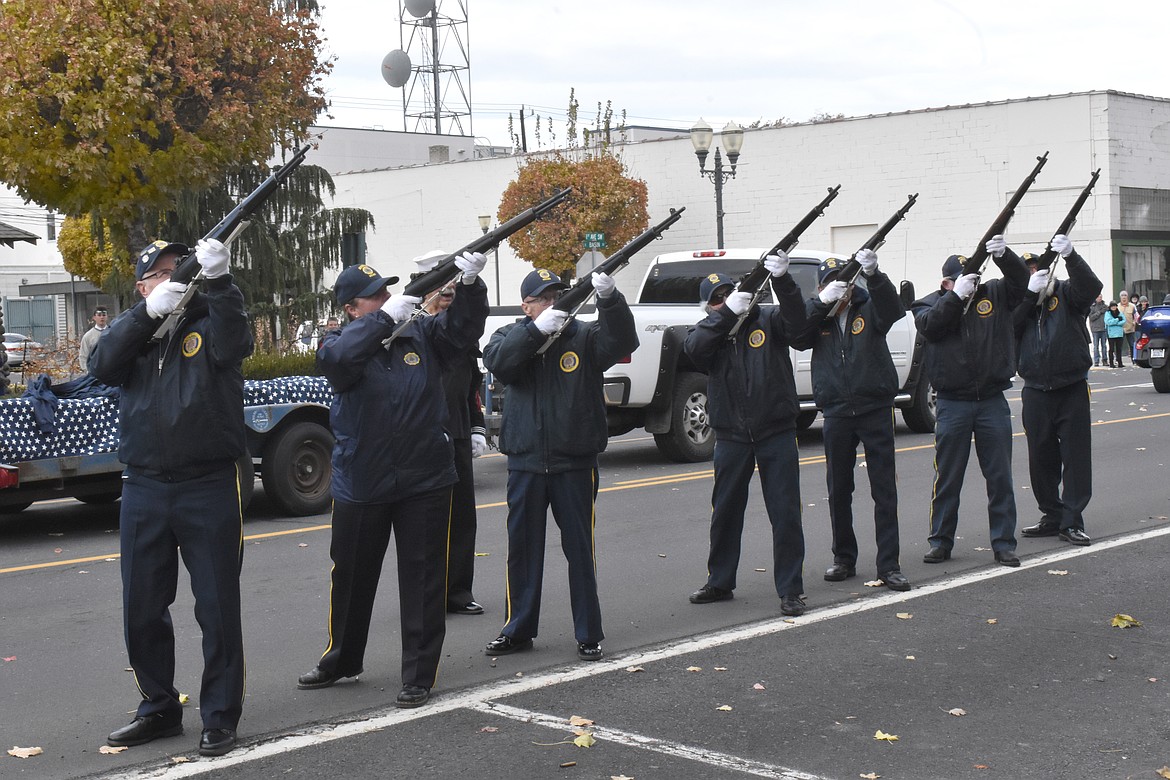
pixel 701 137
pixel 485 222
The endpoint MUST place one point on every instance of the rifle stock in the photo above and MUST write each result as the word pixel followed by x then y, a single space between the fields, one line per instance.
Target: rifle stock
pixel 577 295
pixel 852 269
pixel 188 270
pixel 753 281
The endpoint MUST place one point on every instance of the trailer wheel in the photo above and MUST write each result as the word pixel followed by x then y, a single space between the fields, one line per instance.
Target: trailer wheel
pixel 690 438
pixel 1161 377
pixel 296 470
pixel 920 415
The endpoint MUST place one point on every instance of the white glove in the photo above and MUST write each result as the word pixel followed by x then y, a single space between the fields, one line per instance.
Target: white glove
pixel 470 263
pixel 833 291
pixel 996 246
pixel 966 284
pixel 164 299
pixel 1038 281
pixel 738 302
pixel 777 264
pixel 213 256
pixel 868 260
pixel 550 320
pixel 400 307
pixel 603 285
pixel 479 445
pixel 1061 245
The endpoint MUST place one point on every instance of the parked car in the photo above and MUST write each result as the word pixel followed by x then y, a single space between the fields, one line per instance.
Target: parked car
pixel 20 349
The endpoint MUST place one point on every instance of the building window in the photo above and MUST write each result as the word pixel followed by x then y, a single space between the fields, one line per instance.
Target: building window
pixel 1144 271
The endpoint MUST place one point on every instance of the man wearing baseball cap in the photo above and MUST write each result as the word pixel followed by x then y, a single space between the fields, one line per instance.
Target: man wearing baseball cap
pixel 554 427
pixel 970 359
pixel 752 407
pixel 181 435
pixel 392 467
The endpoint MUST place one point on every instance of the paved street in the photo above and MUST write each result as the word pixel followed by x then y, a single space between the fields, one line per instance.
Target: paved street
pixel 1049 688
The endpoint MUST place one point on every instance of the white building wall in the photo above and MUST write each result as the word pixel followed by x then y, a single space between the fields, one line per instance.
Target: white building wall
pixel 964 162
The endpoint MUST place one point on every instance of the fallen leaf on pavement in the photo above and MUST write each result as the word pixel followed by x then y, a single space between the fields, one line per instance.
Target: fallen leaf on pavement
pixel 910 658
pixel 584 740
pixel 904 615
pixel 881 735
pixel 982 549
pixel 724 708
pixel 980 766
pixel 8 658
pixel 28 752
pixel 1058 572
pixel 661 555
pixel 490 729
pixel 634 669
pixel 184 698
pixel 302 544
pixel 180 759
pixel 870 776
pixel 1164 772
pixel 758 687
pixel 1124 621
pixel 874 584
pixel 694 668
pixel 620 777
pixel 110 751
pixel 482 555
pixel 992 621
pixel 721 668
pixel 957 712
pixel 577 720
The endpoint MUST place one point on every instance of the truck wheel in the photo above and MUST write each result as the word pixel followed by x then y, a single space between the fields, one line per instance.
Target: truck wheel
pixel 690 438
pixel 919 416
pixel 1161 377
pixel 247 480
pixel 297 469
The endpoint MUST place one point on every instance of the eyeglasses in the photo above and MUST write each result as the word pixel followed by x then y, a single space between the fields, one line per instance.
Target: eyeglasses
pixel 719 297
pixel 164 273
pixel 545 297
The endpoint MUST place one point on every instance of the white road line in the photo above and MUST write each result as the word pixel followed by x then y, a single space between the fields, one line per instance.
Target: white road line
pixel 478 697
pixel 675 749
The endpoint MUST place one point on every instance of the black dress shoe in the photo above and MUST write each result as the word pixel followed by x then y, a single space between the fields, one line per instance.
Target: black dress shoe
pixel 145 729
pixel 1075 536
pixel 839 571
pixel 470 608
pixel 506 645
pixel 319 678
pixel 216 742
pixel 792 605
pixel 1041 529
pixel 936 555
pixel 589 651
pixel 709 593
pixel 895 580
pixel 412 696
pixel 1007 558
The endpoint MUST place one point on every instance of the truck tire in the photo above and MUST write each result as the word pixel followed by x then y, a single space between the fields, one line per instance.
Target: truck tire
pixel 690 438
pixel 247 480
pixel 804 420
pixel 1161 377
pixel 919 416
pixel 296 469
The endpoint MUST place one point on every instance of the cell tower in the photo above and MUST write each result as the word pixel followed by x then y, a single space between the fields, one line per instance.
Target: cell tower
pixel 433 67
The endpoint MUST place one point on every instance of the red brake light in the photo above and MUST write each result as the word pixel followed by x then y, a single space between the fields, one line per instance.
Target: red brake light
pixel 1141 344
pixel 709 253
pixel 9 477
pixel 627 359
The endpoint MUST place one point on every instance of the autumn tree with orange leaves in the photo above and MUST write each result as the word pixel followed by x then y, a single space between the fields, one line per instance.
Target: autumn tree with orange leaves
pixel 111 110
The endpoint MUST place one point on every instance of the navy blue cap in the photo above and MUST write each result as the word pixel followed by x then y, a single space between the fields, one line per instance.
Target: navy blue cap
pixel 953 267
pixel 1030 259
pixel 150 255
pixel 538 281
pixel 828 270
pixel 359 281
pixel 712 283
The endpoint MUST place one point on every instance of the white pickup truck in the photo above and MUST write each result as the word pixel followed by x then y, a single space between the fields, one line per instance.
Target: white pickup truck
pixel 658 389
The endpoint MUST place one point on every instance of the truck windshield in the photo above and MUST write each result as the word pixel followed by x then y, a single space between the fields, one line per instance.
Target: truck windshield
pixel 679 282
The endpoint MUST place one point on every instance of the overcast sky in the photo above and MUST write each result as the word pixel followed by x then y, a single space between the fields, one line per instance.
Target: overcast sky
pixel 666 62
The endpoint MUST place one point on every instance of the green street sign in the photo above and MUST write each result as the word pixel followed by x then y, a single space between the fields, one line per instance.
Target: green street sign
pixel 595 240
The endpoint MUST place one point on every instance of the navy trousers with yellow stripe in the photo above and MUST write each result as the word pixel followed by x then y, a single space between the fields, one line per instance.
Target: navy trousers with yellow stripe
pixel 571 495
pixel 201 520
pixel 361 535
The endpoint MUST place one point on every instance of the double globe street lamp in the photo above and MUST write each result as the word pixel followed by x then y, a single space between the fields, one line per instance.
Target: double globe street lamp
pixel 701 138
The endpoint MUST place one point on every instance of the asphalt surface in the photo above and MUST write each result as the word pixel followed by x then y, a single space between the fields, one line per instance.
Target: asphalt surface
pixel 1050 689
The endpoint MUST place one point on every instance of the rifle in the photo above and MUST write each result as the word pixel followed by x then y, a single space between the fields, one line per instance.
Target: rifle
pixel 753 280
pixel 978 258
pixel 1049 257
pixel 188 270
pixel 852 269
pixel 576 296
pixel 446 270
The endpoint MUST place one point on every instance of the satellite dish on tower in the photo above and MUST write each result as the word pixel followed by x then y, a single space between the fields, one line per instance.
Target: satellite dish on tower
pixel 420 8
pixel 396 68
